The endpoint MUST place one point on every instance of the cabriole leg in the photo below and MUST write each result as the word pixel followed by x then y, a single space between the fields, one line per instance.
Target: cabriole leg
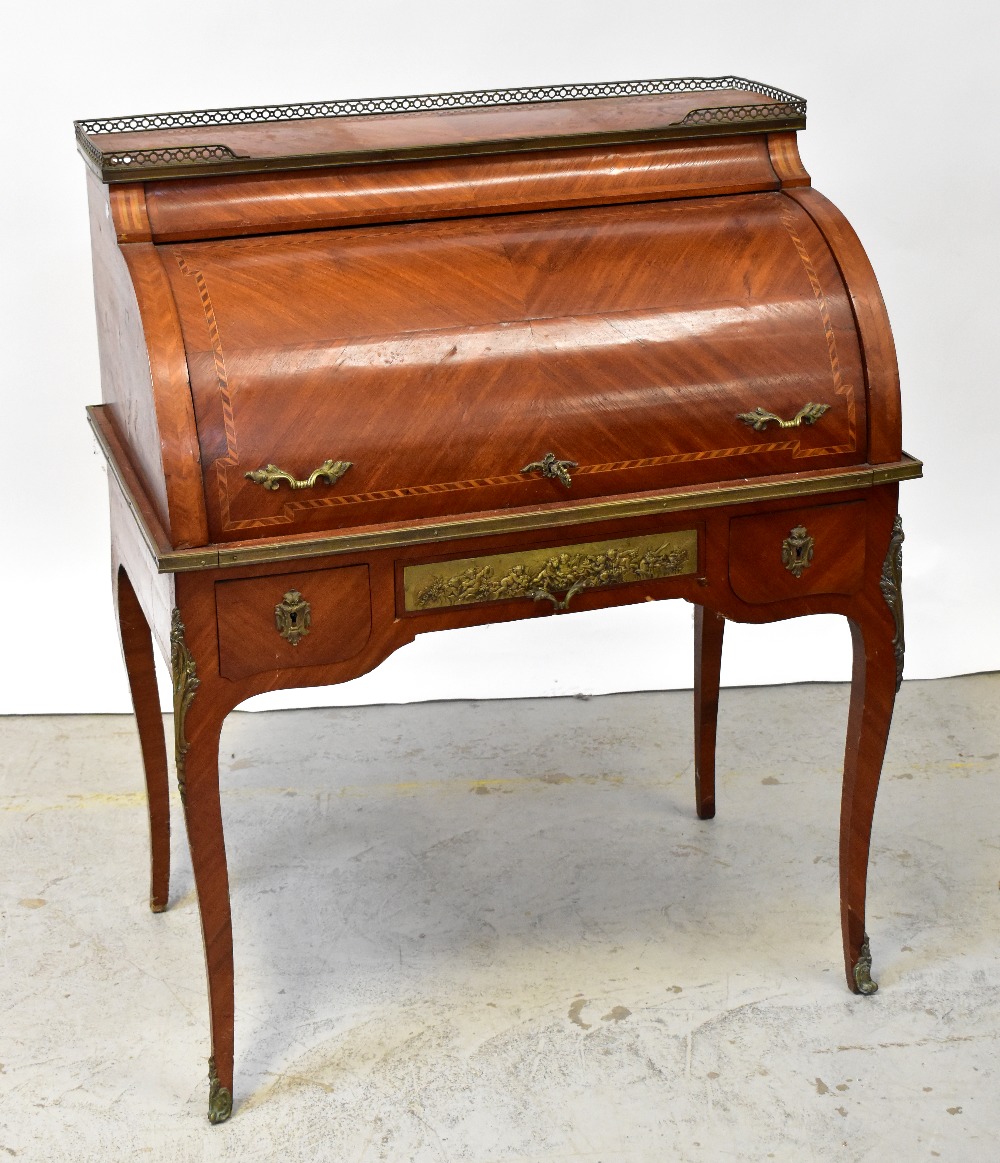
pixel 199 711
pixel 137 647
pixel 877 634
pixel 708 630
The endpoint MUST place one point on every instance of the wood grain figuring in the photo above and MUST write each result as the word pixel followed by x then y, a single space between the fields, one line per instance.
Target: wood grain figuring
pixel 143 366
pixel 783 149
pixel 497 357
pixel 442 325
pixel 186 518
pixel 227 207
pixel 128 213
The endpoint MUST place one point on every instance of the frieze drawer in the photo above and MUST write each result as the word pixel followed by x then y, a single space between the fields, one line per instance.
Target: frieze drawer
pixel 311 618
pixel 798 552
pixel 553 574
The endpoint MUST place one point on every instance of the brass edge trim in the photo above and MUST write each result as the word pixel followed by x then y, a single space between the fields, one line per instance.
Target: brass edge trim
pixel 885 475
pixel 191 560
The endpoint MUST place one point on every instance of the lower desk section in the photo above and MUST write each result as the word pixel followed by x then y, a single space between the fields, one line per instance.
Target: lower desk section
pixel 334 612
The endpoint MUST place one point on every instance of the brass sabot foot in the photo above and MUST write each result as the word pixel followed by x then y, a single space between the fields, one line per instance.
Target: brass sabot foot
pixel 863 970
pixel 220 1099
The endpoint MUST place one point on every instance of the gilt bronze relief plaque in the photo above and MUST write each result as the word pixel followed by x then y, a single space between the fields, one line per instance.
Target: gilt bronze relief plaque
pixel 550 572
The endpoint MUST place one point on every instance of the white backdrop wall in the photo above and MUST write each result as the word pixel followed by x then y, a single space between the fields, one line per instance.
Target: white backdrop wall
pixel 902 136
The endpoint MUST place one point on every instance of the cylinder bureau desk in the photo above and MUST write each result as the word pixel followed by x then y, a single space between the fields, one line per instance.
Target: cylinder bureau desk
pixel 378 367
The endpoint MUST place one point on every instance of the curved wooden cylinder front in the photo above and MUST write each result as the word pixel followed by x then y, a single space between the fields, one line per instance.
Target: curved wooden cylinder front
pixel 439 358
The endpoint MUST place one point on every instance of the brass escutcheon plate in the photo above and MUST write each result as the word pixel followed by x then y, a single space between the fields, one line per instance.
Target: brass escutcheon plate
pixel 593 564
pixel 797 551
pixel 293 617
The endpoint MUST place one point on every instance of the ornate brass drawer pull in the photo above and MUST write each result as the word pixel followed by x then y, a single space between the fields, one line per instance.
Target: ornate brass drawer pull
pixel 292 617
pixel 270 476
pixel 548 466
pixel 797 551
pixel 759 419
pixel 558 603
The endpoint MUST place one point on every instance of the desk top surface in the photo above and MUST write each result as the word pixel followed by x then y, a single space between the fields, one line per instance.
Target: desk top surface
pixel 367 130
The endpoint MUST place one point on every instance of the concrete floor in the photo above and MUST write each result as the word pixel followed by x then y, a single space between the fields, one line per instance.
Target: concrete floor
pixel 496 931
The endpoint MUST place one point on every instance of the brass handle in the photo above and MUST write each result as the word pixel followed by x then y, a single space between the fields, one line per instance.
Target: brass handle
pixel 292 617
pixel 759 419
pixel 270 476
pixel 548 466
pixel 797 551
pixel 558 604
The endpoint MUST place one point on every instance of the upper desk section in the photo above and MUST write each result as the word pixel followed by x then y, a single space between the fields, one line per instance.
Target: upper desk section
pixel 432 294
pixel 332 133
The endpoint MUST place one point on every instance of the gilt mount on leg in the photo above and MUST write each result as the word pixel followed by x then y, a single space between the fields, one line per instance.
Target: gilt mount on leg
pixel 891 585
pixel 185 682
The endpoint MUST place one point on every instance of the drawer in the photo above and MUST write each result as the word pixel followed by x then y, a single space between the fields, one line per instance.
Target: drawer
pixel 285 620
pixel 554 574
pixel 796 552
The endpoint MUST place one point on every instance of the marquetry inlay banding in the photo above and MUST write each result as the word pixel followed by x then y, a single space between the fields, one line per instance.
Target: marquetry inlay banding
pixel 839 387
